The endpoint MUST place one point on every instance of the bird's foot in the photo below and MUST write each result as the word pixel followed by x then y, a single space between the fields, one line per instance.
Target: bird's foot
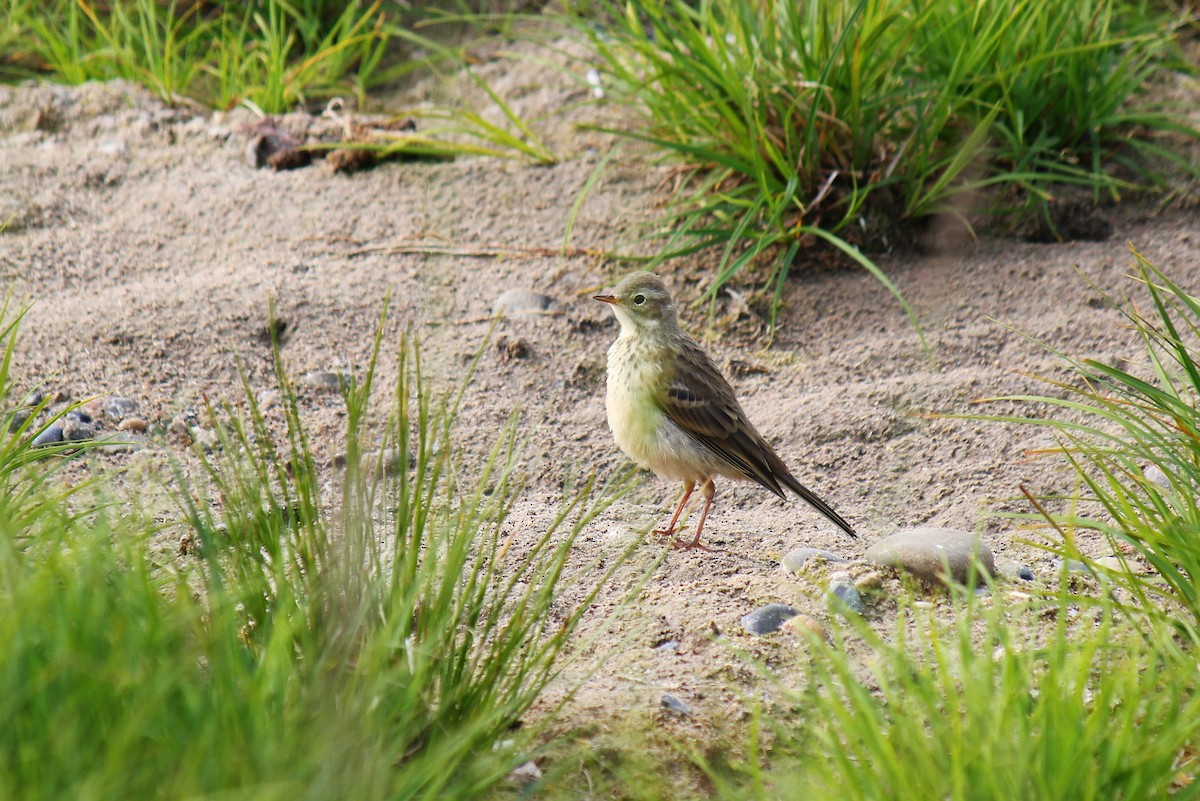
pixel 693 545
pixel 666 532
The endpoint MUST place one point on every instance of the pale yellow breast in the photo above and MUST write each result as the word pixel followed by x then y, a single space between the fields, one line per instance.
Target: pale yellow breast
pixel 641 429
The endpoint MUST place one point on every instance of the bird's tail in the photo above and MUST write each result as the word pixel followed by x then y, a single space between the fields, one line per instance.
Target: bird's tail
pixel 804 492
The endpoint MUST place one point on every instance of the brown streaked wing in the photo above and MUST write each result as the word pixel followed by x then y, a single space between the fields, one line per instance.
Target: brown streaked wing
pixel 700 401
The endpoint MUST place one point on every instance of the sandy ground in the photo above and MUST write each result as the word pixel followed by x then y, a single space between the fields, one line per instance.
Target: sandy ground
pixel 151 247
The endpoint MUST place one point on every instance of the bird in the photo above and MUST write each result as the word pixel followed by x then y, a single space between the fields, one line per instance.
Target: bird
pixel 672 412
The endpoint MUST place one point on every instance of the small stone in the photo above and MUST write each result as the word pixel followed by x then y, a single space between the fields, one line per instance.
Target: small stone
pixel 871 581
pixel 926 552
pixel 76 430
pixel 34 398
pixel 1071 565
pixel 117 408
pixel 526 774
pixel 18 419
pixel 843 598
pixel 797 559
pixel 322 380
pixel 1110 563
pixel 1154 474
pixel 77 416
pixel 1013 570
pixel 667 645
pixel 206 438
pixel 134 425
pixel 767 619
pixel 522 302
pixel 49 435
pixel 673 704
pixel 802 623
pixel 268 399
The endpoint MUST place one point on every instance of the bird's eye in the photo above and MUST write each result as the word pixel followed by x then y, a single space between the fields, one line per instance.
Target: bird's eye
pixel 639 299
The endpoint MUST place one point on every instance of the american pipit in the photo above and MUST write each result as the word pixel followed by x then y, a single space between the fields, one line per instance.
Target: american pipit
pixel 672 411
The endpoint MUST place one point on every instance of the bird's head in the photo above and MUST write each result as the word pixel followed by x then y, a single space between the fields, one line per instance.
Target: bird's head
pixel 642 304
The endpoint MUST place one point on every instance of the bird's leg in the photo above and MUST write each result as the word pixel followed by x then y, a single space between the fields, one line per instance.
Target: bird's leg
pixel 669 531
pixel 709 489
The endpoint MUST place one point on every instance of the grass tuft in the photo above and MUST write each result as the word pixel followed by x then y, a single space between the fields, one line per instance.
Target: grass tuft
pixel 382 642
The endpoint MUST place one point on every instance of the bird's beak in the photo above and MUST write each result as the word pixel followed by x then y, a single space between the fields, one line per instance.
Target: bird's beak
pixel 606 297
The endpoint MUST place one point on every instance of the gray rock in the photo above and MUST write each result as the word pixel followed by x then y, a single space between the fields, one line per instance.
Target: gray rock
pixel 842 598
pixel 17 420
pixel 77 430
pixel 526 774
pixel 519 302
pixel 796 560
pixel 1154 474
pixel 117 408
pixel 1071 565
pixel 322 380
pixel 1013 570
pixel 767 619
pixel 50 435
pixel 667 645
pixel 77 416
pixel 675 705
pixel 926 552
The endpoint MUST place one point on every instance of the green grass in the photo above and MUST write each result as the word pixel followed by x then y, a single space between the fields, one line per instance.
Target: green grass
pixel 851 121
pixel 987 707
pixel 384 642
pixel 272 54
pixel 1114 423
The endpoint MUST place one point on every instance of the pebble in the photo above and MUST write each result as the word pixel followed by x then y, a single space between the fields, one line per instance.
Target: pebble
pixel 767 619
pixel 76 430
pixel 322 379
pixel 49 435
pixel 268 399
pixel 1110 563
pixel 135 425
pixel 526 774
pixel 117 408
pixel 843 597
pixel 672 703
pixel 1154 474
pixel 925 551
pixel 871 581
pixel 520 302
pixel 17 420
pixel 205 438
pixel 77 416
pixel 802 623
pixel 1071 565
pixel 1013 570
pixel 667 645
pixel 795 560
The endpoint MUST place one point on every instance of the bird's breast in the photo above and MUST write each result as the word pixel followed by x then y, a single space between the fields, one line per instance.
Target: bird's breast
pixel 636 381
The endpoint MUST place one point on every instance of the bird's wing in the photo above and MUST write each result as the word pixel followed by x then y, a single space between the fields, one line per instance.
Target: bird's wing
pixel 700 401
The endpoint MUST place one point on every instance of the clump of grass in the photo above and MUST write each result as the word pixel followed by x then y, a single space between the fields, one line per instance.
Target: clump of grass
pixel 273 54
pixel 851 121
pixel 986 707
pixel 1115 424
pixel 380 644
